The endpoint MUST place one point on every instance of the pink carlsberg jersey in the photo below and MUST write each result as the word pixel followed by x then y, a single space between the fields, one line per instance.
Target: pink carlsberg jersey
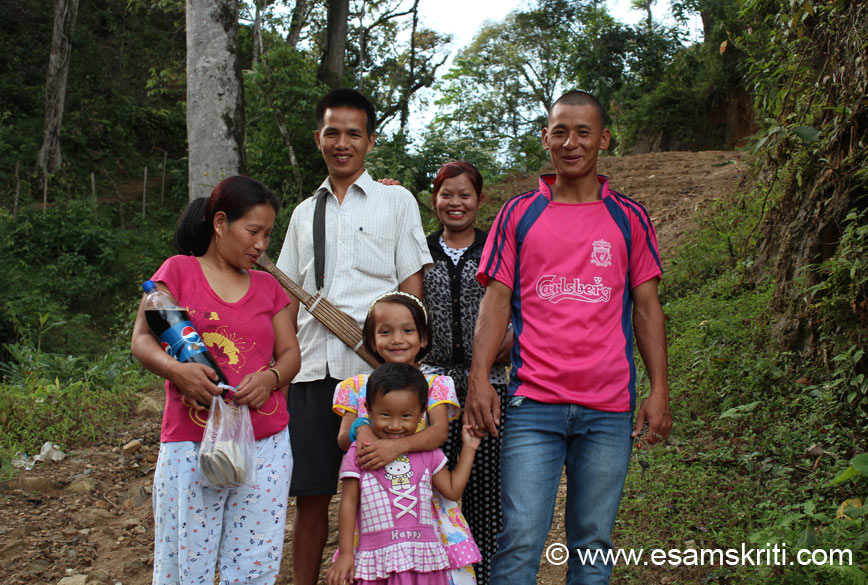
pixel 571 268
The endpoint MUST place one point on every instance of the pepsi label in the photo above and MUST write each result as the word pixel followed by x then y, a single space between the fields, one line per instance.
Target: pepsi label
pixel 182 341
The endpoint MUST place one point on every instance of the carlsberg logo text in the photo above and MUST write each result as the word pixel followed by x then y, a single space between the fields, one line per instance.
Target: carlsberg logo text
pixel 552 288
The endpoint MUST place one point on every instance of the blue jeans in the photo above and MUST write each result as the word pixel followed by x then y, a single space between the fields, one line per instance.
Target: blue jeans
pixel 538 440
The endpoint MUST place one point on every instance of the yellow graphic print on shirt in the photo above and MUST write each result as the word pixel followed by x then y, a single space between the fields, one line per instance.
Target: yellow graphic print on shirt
pixel 228 346
pixel 233 348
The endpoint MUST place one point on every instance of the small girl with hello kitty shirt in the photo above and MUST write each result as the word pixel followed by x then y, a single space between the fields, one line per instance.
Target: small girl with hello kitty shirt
pixel 392 507
pixel 397 331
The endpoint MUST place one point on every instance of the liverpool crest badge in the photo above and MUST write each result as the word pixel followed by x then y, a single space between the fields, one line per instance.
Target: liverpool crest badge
pixel 602 254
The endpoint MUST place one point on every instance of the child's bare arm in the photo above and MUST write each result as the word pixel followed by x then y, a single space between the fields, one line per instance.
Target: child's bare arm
pixel 452 484
pixel 344 433
pixel 374 453
pixel 343 569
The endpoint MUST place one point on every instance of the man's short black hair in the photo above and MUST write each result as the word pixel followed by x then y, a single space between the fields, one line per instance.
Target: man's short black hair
pixel 579 97
pixel 344 97
pixel 394 376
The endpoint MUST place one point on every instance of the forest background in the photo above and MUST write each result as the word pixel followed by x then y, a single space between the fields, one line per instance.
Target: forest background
pixel 767 303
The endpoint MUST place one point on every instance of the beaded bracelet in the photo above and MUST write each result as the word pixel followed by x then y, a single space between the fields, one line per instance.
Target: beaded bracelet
pixel 361 421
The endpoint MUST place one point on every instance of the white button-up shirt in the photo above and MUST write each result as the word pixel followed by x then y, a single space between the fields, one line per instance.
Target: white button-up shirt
pixel 374 241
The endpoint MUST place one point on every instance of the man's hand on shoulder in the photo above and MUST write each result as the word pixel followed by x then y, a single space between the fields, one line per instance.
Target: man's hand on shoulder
pixel 389 182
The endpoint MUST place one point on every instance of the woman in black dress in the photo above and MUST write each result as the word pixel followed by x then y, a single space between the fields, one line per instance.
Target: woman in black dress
pixel 453 295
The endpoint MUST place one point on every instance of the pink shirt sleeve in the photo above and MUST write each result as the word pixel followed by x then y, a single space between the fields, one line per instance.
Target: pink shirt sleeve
pixel 281 297
pixel 645 258
pixel 171 274
pixel 438 461
pixel 498 255
pixel 349 465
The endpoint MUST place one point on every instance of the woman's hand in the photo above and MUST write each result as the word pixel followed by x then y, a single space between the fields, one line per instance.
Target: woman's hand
pixel 255 389
pixel 196 382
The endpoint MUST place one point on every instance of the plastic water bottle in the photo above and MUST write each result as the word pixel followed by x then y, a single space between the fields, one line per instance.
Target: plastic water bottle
pixel 169 321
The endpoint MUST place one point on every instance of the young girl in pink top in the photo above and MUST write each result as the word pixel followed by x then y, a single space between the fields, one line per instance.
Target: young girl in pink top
pixel 242 316
pixel 392 506
pixel 397 331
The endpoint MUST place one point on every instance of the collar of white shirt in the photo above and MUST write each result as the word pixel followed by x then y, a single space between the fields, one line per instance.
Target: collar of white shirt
pixel 363 184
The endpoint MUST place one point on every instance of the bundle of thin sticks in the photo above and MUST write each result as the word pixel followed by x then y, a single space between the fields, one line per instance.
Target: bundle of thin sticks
pixel 342 325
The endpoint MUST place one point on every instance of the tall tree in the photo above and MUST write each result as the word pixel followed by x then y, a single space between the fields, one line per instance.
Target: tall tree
pixel 260 7
pixel 331 71
pixel 49 158
pixel 502 84
pixel 386 68
pixel 215 108
pixel 645 5
pixel 296 24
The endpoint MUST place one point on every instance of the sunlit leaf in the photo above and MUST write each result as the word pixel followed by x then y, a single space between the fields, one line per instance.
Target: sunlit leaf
pixel 860 463
pixel 739 411
pixel 807 133
pixel 848 473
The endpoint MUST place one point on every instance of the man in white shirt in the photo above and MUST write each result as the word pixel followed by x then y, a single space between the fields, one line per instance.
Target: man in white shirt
pixel 373 244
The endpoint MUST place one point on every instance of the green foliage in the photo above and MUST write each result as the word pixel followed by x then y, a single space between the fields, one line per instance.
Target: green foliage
pixel 827 527
pixel 63 399
pixel 501 86
pixel 727 232
pixel 391 72
pixel 808 67
pixel 841 292
pixel 112 121
pixel 760 436
pixel 678 104
pixel 72 264
pixel 282 92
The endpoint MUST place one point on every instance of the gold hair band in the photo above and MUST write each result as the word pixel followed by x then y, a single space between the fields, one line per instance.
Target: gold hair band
pixel 416 299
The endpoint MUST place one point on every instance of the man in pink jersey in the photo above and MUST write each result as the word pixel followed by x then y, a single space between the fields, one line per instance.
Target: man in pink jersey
pixel 575 266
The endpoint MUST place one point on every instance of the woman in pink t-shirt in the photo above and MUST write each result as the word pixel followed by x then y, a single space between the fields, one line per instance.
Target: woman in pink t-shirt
pixel 242 316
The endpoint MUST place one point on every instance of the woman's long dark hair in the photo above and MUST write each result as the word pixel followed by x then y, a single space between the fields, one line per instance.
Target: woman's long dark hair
pixel 234 196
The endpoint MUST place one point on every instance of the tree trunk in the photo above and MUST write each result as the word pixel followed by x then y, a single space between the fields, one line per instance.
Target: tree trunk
pixel 293 160
pixel 215 104
pixel 258 46
pixel 331 70
pixel 65 13
pixel 299 14
pixel 257 32
pixel 411 76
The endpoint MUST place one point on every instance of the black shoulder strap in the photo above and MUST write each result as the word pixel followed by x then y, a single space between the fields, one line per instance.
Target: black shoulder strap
pixel 319 239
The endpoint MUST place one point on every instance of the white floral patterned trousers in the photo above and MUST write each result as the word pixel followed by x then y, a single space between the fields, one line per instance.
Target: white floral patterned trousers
pixel 196 525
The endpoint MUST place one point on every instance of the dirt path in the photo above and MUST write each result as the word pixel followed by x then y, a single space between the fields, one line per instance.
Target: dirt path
pixel 87 519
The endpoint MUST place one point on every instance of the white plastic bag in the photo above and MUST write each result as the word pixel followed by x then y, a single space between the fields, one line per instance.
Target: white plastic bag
pixel 227 455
